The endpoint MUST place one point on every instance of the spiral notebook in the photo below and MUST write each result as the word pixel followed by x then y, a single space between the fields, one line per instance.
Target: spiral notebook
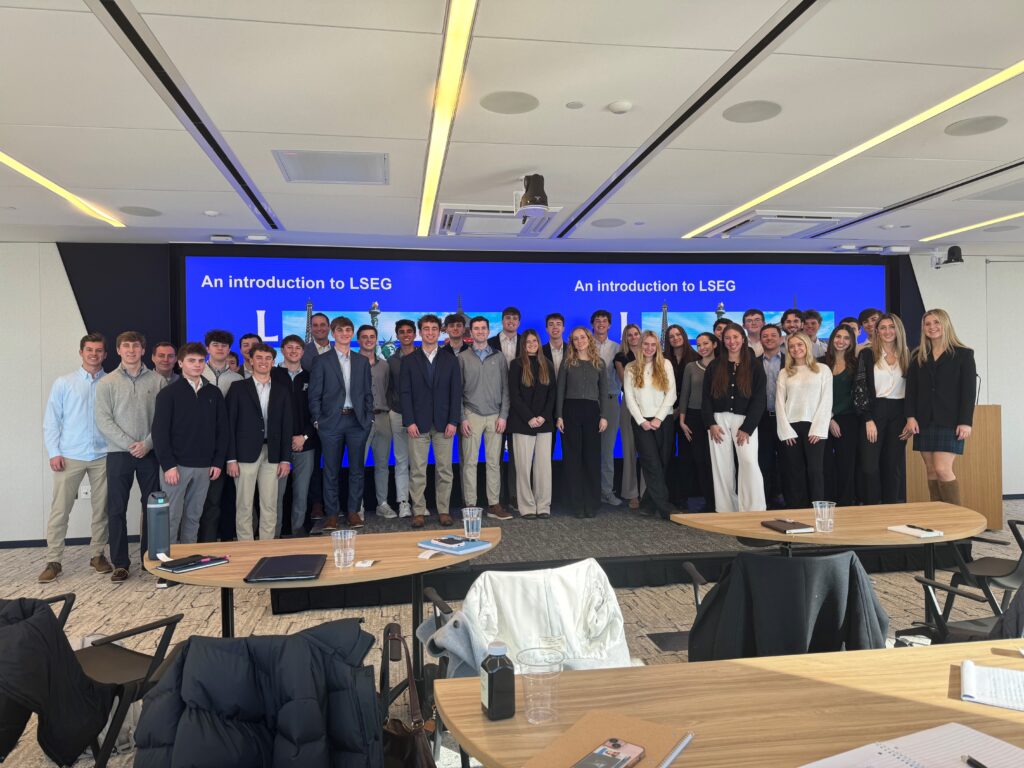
pixel 939 747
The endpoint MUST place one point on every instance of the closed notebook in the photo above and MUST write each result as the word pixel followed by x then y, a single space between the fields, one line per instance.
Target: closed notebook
pixel 788 526
pixel 191 563
pixel 286 568
pixel 596 727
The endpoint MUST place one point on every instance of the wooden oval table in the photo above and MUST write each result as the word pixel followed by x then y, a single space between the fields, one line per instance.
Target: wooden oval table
pixel 397 556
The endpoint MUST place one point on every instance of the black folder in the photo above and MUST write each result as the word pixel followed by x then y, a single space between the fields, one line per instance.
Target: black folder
pixel 286 568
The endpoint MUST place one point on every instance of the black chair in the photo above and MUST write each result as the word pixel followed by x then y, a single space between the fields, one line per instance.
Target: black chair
pixel 131 673
pixel 987 573
pixel 944 630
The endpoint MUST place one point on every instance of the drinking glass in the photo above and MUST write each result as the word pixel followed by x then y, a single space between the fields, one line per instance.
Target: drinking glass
pixel 471 522
pixel 540 669
pixel 824 516
pixel 344 547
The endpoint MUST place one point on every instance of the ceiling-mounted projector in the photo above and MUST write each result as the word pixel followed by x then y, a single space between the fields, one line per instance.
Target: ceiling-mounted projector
pixel 952 256
pixel 534 201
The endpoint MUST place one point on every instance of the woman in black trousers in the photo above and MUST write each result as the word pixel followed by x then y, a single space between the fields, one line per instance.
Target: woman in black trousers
pixel 841 447
pixel 649 391
pixel 682 473
pixel 941 387
pixel 691 421
pixel 582 387
pixel 879 391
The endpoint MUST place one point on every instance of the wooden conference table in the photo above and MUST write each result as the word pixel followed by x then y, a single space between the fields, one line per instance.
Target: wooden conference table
pixel 775 711
pixel 396 554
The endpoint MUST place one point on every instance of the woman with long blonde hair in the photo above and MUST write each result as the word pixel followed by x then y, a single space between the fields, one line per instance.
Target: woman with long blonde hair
pixel 941 388
pixel 803 410
pixel 582 388
pixel 878 395
pixel 649 392
pixel 633 487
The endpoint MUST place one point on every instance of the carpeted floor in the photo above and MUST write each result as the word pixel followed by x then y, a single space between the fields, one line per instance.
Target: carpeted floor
pixel 103 607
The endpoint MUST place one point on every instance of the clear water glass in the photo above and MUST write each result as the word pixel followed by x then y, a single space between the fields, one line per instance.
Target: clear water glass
pixel 471 522
pixel 540 669
pixel 824 516
pixel 344 548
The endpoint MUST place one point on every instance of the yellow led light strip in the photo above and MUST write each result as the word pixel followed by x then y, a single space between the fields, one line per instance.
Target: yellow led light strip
pixel 968 228
pixel 83 205
pixel 953 101
pixel 458 28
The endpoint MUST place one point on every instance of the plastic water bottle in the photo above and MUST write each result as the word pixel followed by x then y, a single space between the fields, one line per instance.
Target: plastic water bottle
pixel 498 683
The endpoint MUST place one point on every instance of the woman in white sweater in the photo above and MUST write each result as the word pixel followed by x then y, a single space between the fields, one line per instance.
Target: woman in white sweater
pixel 803 410
pixel 650 394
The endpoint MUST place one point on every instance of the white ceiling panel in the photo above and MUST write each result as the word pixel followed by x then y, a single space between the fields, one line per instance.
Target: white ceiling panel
pixel 356 215
pixel 405 163
pixel 700 177
pixel 59 68
pixel 655 80
pixel 874 182
pixel 112 158
pixel 910 225
pixel 722 25
pixel 948 32
pixel 284 78
pixel 828 105
pixel 656 221
pixel 42 5
pixel 491 173
pixel 396 15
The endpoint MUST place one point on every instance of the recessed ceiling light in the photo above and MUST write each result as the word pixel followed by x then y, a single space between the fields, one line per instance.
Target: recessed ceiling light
pixel 257 238
pixel 620 107
pixel 1001 228
pixel 574 105
pixel 222 239
pixel 211 213
pixel 845 248
pixel 944 106
pixel 752 111
pixel 972 126
pixel 81 204
pixel 509 102
pixel 140 210
pixel 607 223
pixel 887 226
pixel 639 223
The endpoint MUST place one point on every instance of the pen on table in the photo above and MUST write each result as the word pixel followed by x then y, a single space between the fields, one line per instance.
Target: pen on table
pixel 972 762
pixel 920 528
pixel 680 747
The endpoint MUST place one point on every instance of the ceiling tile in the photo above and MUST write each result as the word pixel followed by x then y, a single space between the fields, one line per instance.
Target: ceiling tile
pixel 356 215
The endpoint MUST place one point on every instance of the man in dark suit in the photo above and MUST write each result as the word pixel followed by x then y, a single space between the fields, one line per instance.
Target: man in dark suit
pixel 507 342
pixel 259 443
pixel 305 445
pixel 341 406
pixel 554 350
pixel 769 447
pixel 320 330
pixel 431 393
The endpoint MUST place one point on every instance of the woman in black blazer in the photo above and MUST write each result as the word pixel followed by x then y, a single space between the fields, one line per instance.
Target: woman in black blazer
pixel 941 387
pixel 531 421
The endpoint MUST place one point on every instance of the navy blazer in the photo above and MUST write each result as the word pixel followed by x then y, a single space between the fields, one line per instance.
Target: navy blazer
pixel 327 391
pixel 431 405
pixel 309 355
pixel 245 420
pixel 495 342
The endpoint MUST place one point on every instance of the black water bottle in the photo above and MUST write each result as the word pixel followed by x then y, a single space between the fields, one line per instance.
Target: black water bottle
pixel 498 683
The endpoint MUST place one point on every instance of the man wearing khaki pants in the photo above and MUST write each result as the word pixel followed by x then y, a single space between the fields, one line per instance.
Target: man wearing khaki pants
pixel 76 449
pixel 484 414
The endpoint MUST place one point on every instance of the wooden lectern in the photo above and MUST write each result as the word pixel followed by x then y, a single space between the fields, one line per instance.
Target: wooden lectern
pixel 979 470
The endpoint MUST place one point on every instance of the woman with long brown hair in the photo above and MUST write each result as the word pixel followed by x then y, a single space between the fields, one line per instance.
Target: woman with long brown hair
pixel 841 446
pixel 649 391
pixel 632 487
pixel 682 470
pixel 691 421
pixel 582 387
pixel 878 395
pixel 732 404
pixel 941 387
pixel 531 421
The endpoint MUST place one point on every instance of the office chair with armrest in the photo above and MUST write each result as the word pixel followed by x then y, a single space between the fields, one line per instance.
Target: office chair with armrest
pixel 65 611
pixel 944 630
pixel 988 572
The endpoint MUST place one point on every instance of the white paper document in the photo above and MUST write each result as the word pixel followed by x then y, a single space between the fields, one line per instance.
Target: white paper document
pixel 939 747
pixel 996 686
pixel 916 532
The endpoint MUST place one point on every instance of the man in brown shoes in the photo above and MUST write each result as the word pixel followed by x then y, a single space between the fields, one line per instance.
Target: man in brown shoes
pixel 77 449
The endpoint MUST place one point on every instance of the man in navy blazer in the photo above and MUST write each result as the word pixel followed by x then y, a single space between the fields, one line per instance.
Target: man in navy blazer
pixel 431 392
pixel 341 406
pixel 320 330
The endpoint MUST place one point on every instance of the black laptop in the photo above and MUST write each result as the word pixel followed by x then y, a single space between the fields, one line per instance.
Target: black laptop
pixel 286 568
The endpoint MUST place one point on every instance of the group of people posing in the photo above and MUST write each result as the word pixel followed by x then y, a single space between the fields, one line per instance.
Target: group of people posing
pixel 750 416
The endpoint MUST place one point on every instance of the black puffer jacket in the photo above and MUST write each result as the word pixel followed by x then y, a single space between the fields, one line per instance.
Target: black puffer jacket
pixel 298 700
pixel 39 673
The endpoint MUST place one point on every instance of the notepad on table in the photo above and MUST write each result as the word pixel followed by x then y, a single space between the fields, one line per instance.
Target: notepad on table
pixel 995 686
pixel 661 743
pixel 454 545
pixel 939 747
pixel 917 531
pixel 788 526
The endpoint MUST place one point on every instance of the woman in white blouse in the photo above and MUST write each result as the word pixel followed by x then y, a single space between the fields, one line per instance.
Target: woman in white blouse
pixel 803 410
pixel 650 394
pixel 878 394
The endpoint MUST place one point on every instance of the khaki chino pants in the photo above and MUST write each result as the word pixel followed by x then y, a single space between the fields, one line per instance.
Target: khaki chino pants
pixel 263 473
pixel 534 457
pixel 65 489
pixel 482 427
pixel 419 450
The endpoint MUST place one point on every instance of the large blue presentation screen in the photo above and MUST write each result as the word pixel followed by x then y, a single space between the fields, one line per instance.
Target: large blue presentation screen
pixel 271 296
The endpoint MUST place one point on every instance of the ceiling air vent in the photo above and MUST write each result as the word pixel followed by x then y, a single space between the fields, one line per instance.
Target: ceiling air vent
pixel 779 224
pixel 308 167
pixel 494 220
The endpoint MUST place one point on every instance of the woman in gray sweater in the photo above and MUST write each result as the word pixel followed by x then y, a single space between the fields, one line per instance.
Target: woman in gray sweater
pixel 690 420
pixel 582 387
